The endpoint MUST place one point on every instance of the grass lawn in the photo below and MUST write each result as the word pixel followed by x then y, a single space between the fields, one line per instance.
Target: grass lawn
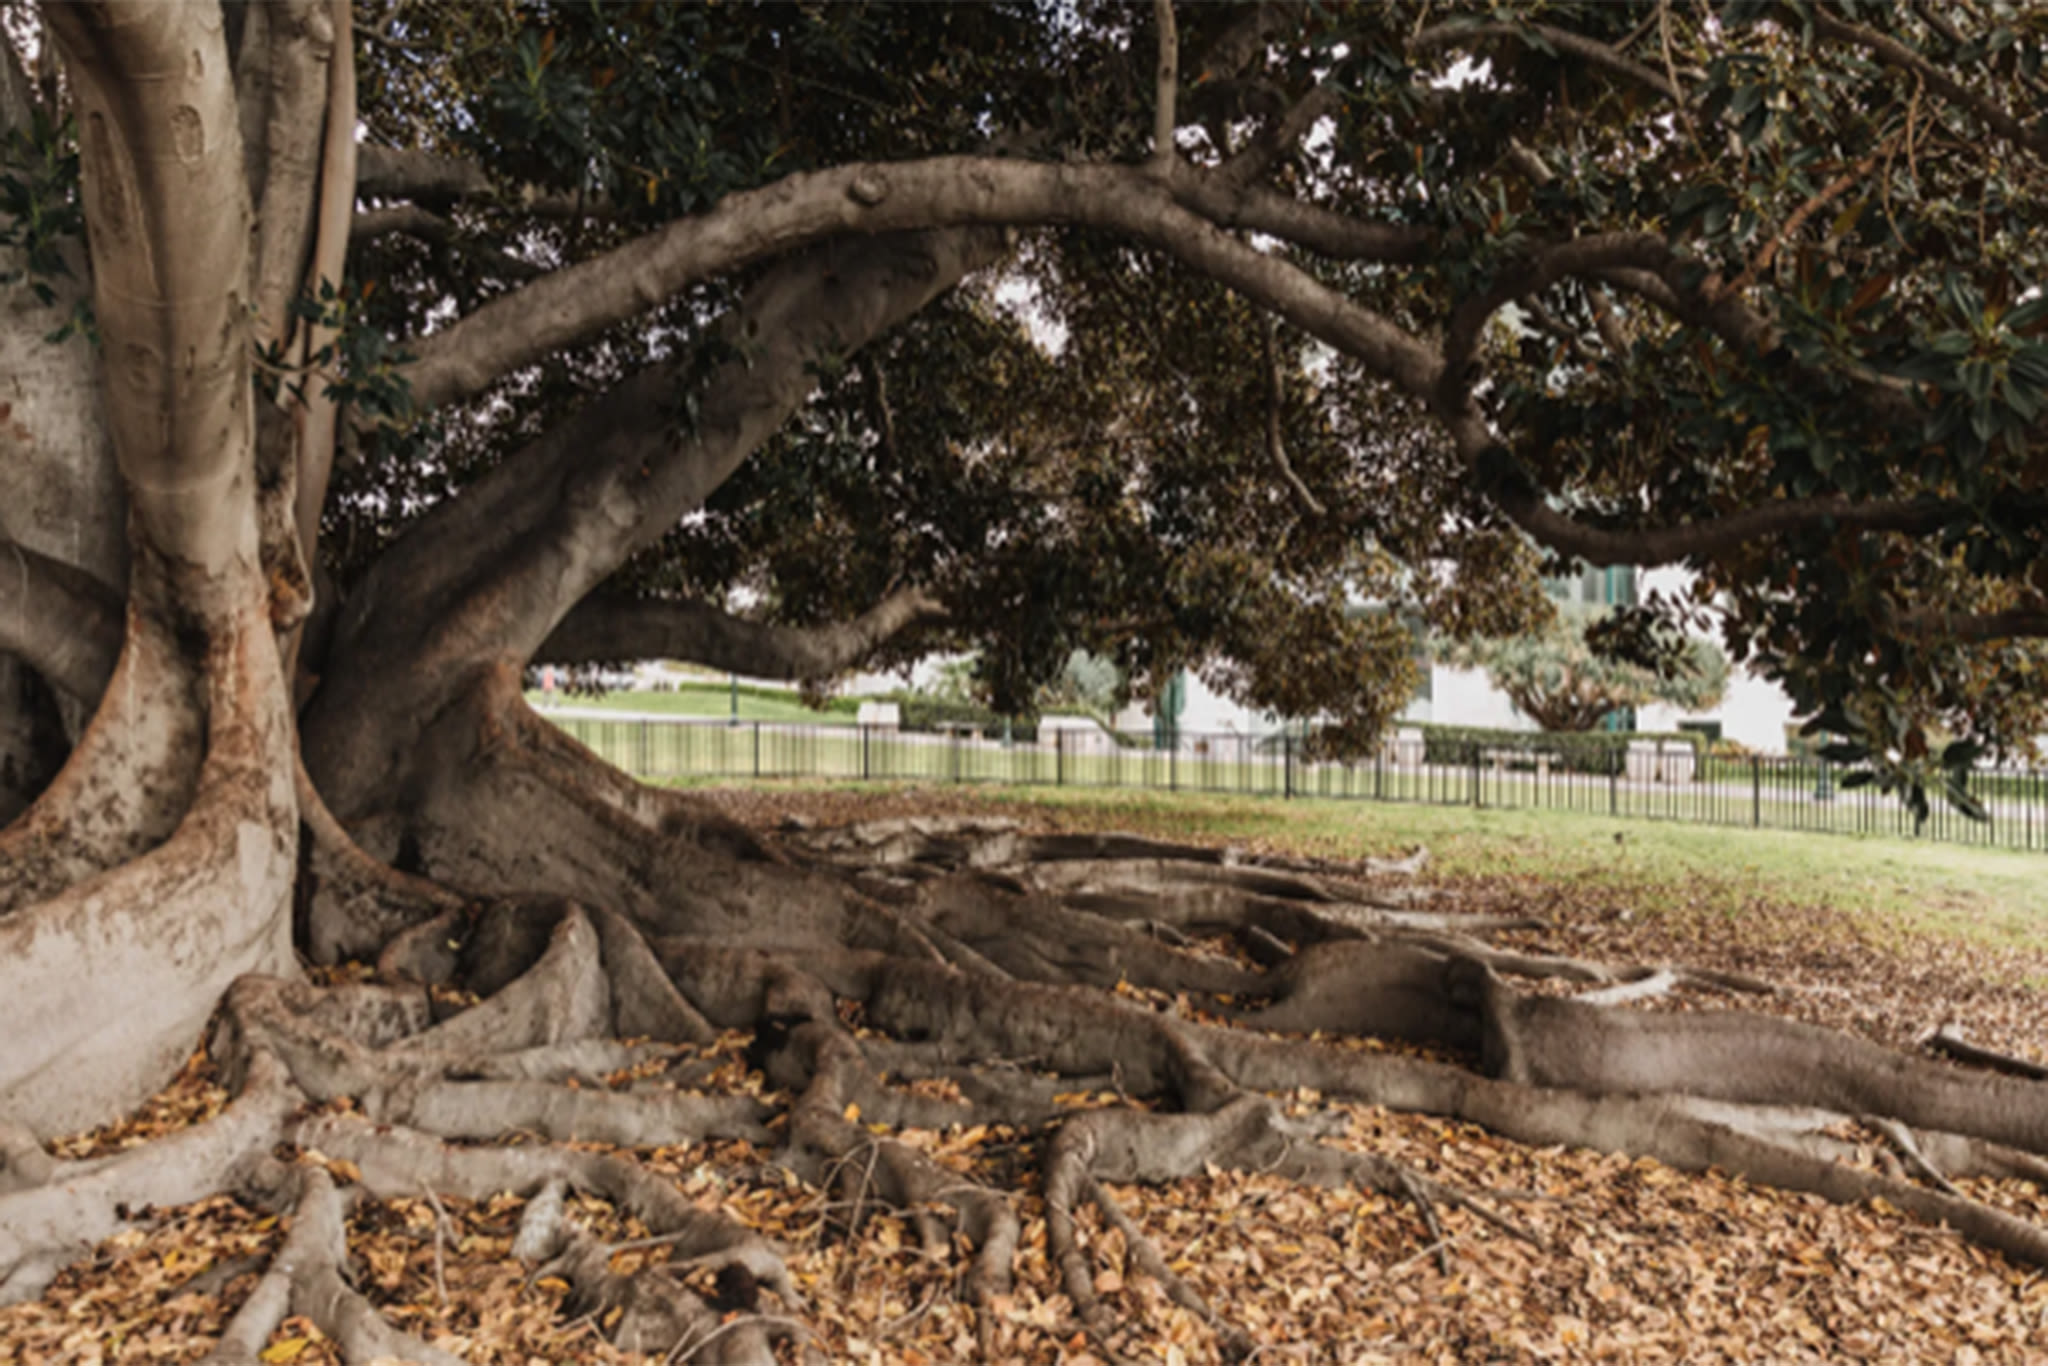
pixel 1994 897
pixel 709 699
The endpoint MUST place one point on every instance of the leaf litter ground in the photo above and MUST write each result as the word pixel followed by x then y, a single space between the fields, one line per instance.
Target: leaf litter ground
pixel 1639 1263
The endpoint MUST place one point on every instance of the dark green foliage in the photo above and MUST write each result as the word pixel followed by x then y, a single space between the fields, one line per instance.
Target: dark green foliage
pixel 1118 492
pixel 40 213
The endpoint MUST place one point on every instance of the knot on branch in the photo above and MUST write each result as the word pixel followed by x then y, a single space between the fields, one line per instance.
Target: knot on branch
pixel 869 188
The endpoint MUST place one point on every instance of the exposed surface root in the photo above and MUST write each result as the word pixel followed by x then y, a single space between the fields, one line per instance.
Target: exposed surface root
pixel 306 1279
pixel 867 1171
pixel 60 1209
pixel 1950 1043
pixel 1126 1012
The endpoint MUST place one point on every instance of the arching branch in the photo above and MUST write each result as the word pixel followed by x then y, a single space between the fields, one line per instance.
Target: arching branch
pixel 504 563
pixel 1534 274
pixel 1530 510
pixel 602 628
pixel 869 198
pixel 1229 201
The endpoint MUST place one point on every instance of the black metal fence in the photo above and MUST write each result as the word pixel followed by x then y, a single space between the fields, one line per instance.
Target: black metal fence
pixel 1673 782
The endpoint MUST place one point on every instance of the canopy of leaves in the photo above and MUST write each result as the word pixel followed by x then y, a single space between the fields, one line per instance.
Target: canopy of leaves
pixel 1810 248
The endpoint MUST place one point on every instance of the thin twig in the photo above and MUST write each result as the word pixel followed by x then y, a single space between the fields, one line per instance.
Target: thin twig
pixel 1439 1249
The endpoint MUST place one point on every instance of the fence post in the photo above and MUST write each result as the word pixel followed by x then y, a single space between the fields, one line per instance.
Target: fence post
pixel 1614 783
pixel 1478 795
pixel 646 754
pixel 1059 758
pixel 1756 790
pixel 864 767
pixel 954 756
pixel 1286 765
pixel 757 749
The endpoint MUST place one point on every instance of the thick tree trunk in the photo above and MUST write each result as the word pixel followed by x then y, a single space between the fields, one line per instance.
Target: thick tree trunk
pixel 158 866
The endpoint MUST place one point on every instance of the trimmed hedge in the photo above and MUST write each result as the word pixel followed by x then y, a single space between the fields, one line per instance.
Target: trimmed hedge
pixel 1601 752
pixel 933 713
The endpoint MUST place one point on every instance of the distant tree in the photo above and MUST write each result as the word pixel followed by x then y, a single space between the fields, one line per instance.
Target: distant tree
pixel 1086 683
pixel 1561 682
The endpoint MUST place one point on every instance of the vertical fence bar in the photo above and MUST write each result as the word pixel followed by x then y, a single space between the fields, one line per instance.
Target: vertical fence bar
pixel 757 749
pixel 1286 765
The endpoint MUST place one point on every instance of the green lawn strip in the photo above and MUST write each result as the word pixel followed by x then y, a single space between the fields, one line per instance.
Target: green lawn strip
pixel 1998 897
pixel 1892 891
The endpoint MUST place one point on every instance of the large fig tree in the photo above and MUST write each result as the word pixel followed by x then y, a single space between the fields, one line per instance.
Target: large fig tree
pixel 358 359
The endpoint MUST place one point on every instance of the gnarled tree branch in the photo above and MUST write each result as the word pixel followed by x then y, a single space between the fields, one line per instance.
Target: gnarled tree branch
pixel 546 527
pixel 601 628
pixel 1231 202
pixel 870 198
pixel 1661 545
